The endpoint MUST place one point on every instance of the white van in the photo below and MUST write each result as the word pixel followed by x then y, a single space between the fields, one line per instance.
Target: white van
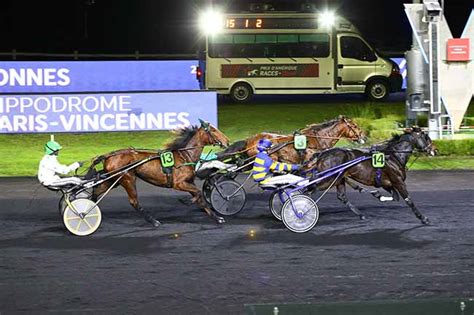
pixel 292 53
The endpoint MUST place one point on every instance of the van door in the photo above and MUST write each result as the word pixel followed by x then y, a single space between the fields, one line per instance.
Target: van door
pixel 356 63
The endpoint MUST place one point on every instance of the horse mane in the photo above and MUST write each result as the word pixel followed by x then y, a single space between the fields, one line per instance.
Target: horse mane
pixel 183 135
pixel 322 125
pixel 394 140
pixel 396 137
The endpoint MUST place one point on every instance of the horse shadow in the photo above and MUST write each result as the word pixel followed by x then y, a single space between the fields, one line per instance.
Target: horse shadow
pixel 389 238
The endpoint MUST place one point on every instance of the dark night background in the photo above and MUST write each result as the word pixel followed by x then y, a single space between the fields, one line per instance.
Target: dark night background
pixel 167 27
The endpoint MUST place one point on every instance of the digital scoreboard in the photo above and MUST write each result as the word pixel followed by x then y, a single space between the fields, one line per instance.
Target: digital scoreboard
pixel 270 23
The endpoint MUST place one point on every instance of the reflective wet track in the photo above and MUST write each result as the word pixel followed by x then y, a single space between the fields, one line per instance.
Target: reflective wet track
pixel 190 265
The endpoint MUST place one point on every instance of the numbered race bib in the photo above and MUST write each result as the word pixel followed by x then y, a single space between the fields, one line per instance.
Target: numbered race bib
pixel 167 159
pixel 378 159
pixel 300 142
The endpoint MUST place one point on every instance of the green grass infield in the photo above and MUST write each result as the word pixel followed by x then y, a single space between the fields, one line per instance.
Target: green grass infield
pixel 21 153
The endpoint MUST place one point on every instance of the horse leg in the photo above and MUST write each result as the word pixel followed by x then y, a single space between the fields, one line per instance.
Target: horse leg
pixel 197 198
pixel 97 191
pixel 395 195
pixel 341 195
pixel 128 182
pixel 402 190
pixel 374 193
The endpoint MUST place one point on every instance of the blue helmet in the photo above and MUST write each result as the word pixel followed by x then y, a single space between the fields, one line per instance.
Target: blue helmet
pixel 263 145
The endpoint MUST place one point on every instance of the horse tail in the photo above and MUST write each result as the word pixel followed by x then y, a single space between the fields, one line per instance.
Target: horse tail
pixel 92 171
pixel 232 149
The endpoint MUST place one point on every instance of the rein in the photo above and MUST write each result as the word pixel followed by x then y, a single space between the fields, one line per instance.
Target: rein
pixel 336 138
pixel 416 158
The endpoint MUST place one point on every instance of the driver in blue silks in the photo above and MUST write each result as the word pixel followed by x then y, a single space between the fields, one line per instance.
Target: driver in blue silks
pixel 264 166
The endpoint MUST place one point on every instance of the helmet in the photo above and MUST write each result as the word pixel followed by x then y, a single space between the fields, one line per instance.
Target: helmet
pixel 263 144
pixel 52 147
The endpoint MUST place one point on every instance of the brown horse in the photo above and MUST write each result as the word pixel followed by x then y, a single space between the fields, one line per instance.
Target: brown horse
pixel 391 176
pixel 319 136
pixel 186 150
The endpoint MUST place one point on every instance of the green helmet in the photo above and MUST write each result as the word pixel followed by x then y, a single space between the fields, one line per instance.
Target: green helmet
pixel 51 147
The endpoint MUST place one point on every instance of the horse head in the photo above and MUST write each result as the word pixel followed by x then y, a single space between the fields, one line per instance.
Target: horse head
pixel 421 140
pixel 351 130
pixel 211 135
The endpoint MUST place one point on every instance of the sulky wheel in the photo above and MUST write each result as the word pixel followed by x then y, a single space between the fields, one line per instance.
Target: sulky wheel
pixel 300 213
pixel 62 202
pixel 62 205
pixel 206 190
pixel 277 199
pixel 227 197
pixel 84 219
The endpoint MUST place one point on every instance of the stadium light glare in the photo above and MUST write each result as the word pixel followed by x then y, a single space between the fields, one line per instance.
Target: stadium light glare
pixel 327 19
pixel 211 22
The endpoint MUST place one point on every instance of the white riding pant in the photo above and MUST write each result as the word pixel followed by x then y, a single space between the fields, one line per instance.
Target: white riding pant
pixel 285 179
pixel 215 164
pixel 65 181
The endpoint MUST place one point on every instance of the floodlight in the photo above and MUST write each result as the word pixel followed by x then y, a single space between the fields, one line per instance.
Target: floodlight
pixel 211 22
pixel 433 8
pixel 327 19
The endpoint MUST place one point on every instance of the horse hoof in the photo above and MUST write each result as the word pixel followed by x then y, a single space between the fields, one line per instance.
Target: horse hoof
pixel 220 220
pixel 425 221
pixel 362 217
pixel 154 222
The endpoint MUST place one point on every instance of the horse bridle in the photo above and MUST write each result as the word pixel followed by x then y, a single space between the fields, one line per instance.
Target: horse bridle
pixel 356 136
pixel 213 139
pixel 428 147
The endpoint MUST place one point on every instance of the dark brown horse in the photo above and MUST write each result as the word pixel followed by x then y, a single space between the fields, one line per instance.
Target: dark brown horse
pixel 186 150
pixel 391 177
pixel 319 136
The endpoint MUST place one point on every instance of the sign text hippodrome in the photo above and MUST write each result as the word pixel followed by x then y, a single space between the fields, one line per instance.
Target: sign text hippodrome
pixel 104 112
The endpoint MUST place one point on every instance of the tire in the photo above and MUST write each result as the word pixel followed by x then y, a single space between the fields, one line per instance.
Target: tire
pixel 206 190
pixel 276 203
pixel 377 90
pixel 82 226
pixel 221 200
pixel 241 92
pixel 62 203
pixel 304 217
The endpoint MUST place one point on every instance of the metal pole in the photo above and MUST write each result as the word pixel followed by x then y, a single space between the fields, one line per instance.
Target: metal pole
pixel 434 123
pixel 411 116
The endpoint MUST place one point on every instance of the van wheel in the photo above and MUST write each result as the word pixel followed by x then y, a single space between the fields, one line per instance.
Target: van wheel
pixel 377 90
pixel 241 92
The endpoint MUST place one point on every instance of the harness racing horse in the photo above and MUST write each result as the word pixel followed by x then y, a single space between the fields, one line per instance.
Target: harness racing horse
pixel 391 177
pixel 319 136
pixel 186 149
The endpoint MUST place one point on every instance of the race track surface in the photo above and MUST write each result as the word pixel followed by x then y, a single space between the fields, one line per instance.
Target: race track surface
pixel 191 265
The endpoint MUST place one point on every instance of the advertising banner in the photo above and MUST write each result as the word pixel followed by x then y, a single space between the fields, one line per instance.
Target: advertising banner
pixel 458 49
pixel 97 76
pixel 54 113
pixel 270 70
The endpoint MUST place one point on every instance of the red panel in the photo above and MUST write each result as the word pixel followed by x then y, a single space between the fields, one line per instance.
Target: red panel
pixel 458 49
pixel 270 70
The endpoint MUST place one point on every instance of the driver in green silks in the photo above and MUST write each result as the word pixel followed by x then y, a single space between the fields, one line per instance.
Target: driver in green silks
pixel 49 168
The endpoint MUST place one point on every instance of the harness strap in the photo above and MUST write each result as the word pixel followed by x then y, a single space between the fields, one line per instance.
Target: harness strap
pixel 378 177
